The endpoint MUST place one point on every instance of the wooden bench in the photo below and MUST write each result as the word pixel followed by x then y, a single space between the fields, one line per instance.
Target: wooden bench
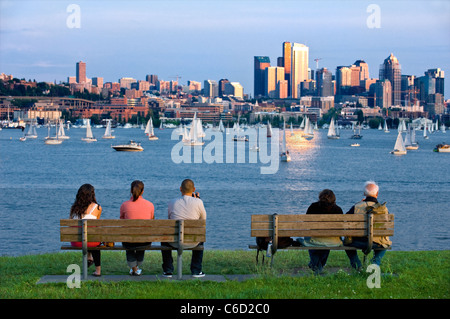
pixel 132 231
pixel 321 225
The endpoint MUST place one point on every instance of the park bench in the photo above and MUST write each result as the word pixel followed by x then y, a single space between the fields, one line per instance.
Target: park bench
pixel 183 232
pixel 321 225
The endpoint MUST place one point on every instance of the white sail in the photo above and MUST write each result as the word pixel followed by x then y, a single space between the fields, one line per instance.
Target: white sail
pixel 108 130
pixel 89 136
pixel 284 154
pixel 399 147
pixel 147 127
pixel 386 130
pixel 221 127
pixel 193 138
pixel 332 130
pixel 292 130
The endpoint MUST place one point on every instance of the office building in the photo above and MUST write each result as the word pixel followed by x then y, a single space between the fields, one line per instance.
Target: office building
pixel 260 64
pixel 272 75
pixel 325 86
pixel 299 67
pixel 210 88
pixel 286 63
pixel 81 72
pixel 98 82
pixel 391 70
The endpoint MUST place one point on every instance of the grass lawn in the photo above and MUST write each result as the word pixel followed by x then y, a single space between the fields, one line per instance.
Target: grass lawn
pixel 405 275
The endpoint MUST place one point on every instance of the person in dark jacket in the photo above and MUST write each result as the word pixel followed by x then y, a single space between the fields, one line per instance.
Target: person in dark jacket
pixel 325 205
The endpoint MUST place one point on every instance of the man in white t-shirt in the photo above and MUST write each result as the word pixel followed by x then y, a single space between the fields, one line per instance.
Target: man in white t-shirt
pixel 188 206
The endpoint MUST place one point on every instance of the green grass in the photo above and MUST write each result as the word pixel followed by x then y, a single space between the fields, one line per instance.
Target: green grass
pixel 406 275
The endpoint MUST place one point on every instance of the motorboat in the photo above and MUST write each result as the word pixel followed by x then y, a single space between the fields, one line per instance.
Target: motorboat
pixel 442 148
pixel 130 147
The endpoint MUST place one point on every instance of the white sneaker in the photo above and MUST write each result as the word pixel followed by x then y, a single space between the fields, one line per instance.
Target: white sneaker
pixel 199 275
pixel 135 273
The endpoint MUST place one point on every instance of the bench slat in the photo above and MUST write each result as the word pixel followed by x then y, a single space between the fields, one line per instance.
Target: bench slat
pixel 134 222
pixel 320 217
pixel 132 239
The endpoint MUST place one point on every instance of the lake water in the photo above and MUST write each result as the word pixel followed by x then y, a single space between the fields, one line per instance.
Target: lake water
pixel 38 184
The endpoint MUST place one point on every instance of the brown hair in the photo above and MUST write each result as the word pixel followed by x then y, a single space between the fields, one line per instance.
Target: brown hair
pixel 85 197
pixel 187 186
pixel 327 197
pixel 137 188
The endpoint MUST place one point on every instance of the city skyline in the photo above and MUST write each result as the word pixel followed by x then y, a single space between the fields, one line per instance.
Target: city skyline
pixel 200 40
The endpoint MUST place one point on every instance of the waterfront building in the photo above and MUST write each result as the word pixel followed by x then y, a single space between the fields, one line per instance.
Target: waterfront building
pixel 81 72
pixel 299 67
pixel 235 89
pixel 391 70
pixel 260 64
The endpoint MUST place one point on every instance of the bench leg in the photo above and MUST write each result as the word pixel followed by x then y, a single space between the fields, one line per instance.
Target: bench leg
pixel 179 264
pixel 85 264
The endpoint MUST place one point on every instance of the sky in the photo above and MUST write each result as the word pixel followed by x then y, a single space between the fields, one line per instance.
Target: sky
pixel 214 39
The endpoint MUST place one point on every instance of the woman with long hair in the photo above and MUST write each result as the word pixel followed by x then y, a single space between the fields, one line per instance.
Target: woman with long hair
pixel 86 207
pixel 136 208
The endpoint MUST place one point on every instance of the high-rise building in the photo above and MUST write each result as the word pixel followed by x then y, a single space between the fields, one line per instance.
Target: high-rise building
pixel 235 89
pixel 364 70
pixel 81 72
pixel 391 70
pixel 222 83
pixel 383 93
pixel 286 59
pixel 98 82
pixel 126 82
pixel 151 78
pixel 210 88
pixel 324 82
pixel 272 76
pixel 343 80
pixel 260 64
pixel 299 67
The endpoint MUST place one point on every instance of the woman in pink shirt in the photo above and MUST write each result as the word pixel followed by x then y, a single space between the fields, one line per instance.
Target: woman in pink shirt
pixel 136 208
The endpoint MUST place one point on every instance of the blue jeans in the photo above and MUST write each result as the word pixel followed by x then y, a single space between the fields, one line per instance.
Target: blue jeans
pixel 196 260
pixel 353 255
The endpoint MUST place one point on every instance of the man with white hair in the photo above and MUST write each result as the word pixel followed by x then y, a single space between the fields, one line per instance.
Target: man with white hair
pixel 371 194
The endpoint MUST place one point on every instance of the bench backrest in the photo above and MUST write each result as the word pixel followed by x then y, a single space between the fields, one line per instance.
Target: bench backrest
pixel 321 225
pixel 133 230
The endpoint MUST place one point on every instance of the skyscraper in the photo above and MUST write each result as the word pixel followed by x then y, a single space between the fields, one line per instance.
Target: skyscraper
pixel 324 83
pixel 299 67
pixel 287 64
pixel 81 72
pixel 261 63
pixel 210 88
pixel 391 70
pixel 272 76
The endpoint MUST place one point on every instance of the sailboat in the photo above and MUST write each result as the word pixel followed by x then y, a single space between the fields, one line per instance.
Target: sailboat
pixel 425 136
pixel 386 130
pixel 308 132
pixel 356 136
pixel 443 128
pixel 332 135
pixel 89 137
pixel 108 131
pixel 238 137
pixel 150 131
pixel 31 133
pixel 193 139
pixel 62 135
pixel 285 156
pixel 399 147
pixel 292 130
pixel 54 140
pixel 380 128
pixel 410 139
